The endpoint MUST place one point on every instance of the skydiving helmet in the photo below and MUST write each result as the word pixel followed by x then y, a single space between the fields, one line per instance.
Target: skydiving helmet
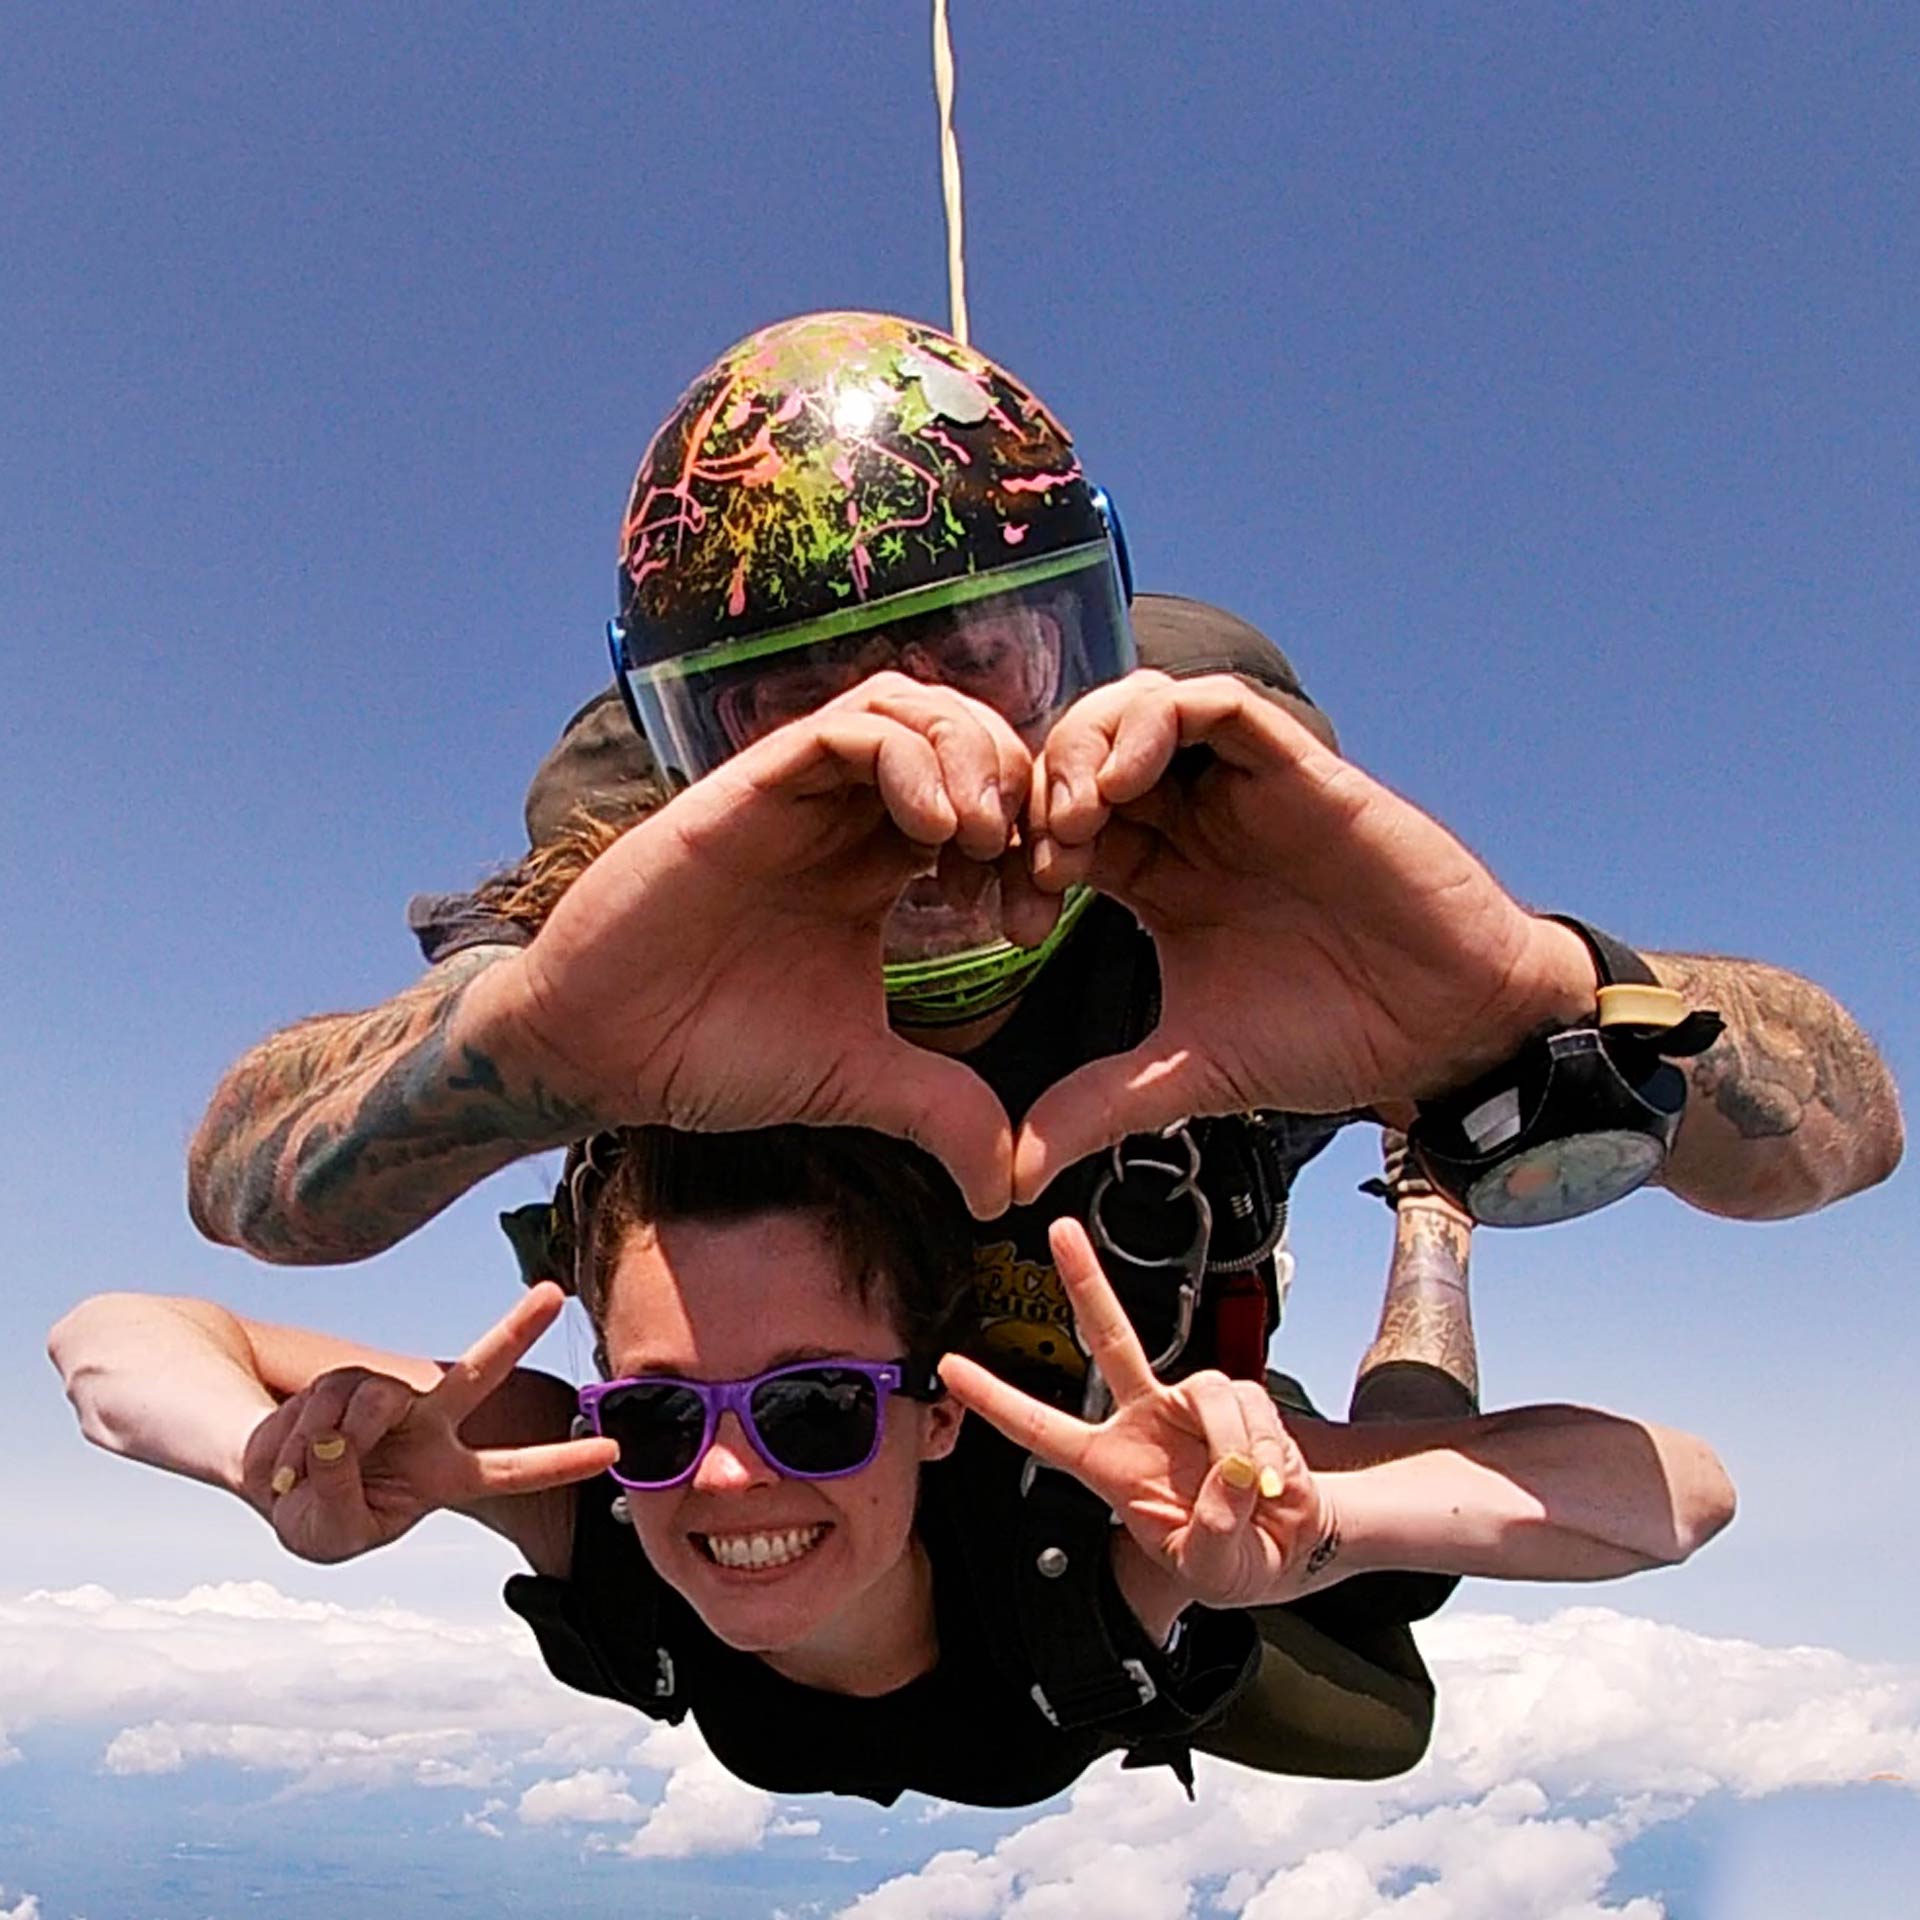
pixel 845 493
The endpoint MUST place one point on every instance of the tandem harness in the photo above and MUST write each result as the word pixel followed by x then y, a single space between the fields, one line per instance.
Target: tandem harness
pixel 1190 1226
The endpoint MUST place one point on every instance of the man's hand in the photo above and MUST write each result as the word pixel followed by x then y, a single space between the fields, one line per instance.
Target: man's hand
pixel 1211 1487
pixel 1323 944
pixel 719 966
pixel 356 1458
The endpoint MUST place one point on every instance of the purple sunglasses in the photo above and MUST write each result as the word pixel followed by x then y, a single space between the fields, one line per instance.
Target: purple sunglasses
pixel 814 1420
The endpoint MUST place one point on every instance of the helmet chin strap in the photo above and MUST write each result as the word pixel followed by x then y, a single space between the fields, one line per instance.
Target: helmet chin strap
pixel 959 987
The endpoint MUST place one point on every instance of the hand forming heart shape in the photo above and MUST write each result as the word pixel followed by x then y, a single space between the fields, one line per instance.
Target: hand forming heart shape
pixel 1323 944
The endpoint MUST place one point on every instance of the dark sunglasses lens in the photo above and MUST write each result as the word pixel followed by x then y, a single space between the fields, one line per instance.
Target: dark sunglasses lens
pixel 824 1420
pixel 657 1425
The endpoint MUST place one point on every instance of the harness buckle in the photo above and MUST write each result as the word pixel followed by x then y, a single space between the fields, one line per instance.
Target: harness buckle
pixel 1188 1262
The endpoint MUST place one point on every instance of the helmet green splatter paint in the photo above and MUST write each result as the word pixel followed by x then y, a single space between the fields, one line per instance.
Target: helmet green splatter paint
pixel 829 464
pixel 847 492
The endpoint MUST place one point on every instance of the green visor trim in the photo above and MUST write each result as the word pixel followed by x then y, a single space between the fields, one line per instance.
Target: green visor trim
pixel 958 987
pixel 881 613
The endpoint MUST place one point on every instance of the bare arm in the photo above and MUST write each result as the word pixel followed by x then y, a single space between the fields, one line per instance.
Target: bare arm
pixel 1791 1107
pixel 185 1385
pixel 1226 1505
pixel 1534 1493
pixel 335 1138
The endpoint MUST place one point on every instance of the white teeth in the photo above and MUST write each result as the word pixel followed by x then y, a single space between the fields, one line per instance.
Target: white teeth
pixel 761 1549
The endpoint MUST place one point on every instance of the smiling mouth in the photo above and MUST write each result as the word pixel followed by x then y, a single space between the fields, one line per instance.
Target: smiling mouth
pixel 760 1552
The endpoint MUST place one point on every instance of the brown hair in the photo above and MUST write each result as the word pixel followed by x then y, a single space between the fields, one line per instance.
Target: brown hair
pixel 891 1211
pixel 529 890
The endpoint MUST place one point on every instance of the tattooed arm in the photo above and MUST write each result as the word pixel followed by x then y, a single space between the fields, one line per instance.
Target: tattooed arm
pixel 334 1139
pixel 1790 1108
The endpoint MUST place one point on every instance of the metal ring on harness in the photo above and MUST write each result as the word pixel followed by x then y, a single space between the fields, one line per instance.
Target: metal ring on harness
pixel 1190 1262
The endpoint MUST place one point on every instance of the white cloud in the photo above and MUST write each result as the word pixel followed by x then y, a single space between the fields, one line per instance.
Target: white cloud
pixel 321 1760
pixel 480 1820
pixel 587 1798
pixel 1559 1741
pixel 355 1698
pixel 26 1908
pixel 1628 1720
pixel 703 1810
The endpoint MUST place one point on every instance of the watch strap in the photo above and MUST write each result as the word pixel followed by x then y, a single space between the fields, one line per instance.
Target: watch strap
pixel 1614 961
pixel 1632 1002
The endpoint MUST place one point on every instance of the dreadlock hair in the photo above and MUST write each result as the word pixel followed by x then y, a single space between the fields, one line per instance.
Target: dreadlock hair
pixel 889 1210
pixel 529 890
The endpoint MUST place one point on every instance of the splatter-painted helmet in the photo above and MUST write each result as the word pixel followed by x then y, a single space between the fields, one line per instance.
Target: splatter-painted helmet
pixel 847 492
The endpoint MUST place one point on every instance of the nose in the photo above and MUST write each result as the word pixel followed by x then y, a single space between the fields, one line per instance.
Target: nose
pixel 731 1465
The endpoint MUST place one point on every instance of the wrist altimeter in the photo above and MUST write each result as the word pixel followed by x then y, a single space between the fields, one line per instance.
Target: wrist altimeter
pixel 1581 1115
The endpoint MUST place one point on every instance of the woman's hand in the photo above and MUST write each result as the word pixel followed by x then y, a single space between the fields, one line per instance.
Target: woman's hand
pixel 1209 1483
pixel 357 1457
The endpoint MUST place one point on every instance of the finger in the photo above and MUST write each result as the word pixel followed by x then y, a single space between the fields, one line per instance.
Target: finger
pixel 1212 1403
pixel 1137 1092
pixel 316 1411
pixel 260 1463
pixel 375 1407
pixel 943 1106
pixel 515 1470
pixel 1222 1509
pixel 1057 1438
pixel 838 747
pixel 478 1371
pixel 1027 914
pixel 1271 1446
pixel 333 1471
pixel 984 767
pixel 1072 807
pixel 1105 1331
pixel 1217 710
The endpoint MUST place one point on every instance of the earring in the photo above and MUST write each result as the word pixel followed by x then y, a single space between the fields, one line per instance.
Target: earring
pixel 621 1512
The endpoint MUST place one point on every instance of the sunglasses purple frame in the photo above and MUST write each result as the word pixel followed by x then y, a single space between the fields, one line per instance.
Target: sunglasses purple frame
pixel 719 1397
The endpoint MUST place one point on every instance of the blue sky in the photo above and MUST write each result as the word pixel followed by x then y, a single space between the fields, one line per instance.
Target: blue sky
pixel 1542 379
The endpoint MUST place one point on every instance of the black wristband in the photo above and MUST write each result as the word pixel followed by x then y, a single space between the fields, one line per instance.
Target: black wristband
pixel 1614 961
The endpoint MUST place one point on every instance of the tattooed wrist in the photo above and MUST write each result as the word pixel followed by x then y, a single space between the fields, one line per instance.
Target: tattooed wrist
pixel 1326 1551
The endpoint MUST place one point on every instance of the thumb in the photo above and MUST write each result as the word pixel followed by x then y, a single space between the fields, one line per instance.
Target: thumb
pixel 945 1107
pixel 1099 1104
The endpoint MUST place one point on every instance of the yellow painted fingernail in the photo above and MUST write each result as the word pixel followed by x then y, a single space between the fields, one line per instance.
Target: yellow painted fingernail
pixel 1238 1472
pixel 283 1479
pixel 330 1449
pixel 1271 1485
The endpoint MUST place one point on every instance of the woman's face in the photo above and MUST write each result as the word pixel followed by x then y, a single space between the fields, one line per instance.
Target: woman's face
pixel 706 1301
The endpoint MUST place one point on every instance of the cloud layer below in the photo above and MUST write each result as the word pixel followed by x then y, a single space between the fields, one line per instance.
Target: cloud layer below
pixel 1560 1743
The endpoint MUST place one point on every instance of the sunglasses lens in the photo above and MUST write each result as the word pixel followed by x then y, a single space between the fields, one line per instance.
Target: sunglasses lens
pixel 824 1420
pixel 657 1425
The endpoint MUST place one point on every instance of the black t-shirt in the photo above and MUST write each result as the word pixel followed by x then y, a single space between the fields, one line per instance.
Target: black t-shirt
pixel 968 1731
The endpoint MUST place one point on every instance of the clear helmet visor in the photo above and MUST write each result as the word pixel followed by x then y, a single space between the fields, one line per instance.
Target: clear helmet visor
pixel 1027 640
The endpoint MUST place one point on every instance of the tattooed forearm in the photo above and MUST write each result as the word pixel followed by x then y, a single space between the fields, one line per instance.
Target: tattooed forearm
pixel 1790 1108
pixel 1426 1317
pixel 334 1139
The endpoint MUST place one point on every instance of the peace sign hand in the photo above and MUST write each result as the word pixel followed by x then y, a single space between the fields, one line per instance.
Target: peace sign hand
pixel 356 1458
pixel 1203 1473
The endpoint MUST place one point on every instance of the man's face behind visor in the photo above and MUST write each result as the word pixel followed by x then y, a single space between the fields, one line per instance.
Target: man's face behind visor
pixel 1028 651
pixel 1005 654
